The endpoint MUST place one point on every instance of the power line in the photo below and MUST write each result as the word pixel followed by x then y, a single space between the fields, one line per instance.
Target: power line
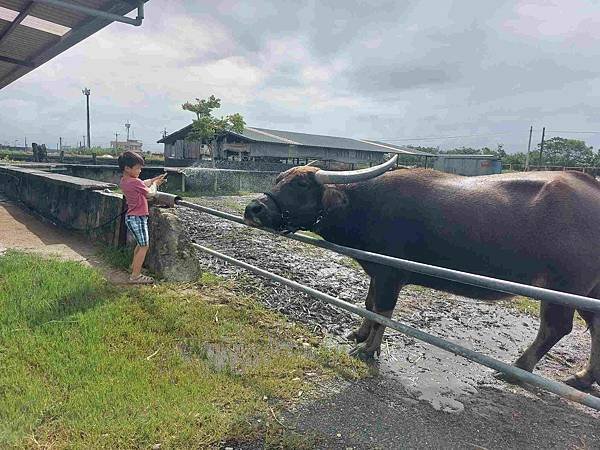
pixel 571 131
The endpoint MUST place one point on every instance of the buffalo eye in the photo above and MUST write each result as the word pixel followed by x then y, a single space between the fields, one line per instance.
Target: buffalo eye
pixel 301 182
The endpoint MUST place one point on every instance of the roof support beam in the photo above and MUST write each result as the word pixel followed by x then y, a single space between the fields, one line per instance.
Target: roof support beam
pixel 18 62
pixel 97 13
pixel 16 22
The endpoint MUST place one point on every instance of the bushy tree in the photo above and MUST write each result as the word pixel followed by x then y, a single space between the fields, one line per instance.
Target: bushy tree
pixel 206 128
pixel 559 151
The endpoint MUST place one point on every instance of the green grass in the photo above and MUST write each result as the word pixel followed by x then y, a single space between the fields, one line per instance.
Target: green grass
pixel 119 258
pixel 89 365
pixel 531 307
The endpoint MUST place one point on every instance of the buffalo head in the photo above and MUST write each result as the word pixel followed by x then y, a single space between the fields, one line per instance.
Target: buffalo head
pixel 301 196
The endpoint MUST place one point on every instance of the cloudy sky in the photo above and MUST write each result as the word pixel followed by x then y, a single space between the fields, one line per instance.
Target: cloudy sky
pixel 387 70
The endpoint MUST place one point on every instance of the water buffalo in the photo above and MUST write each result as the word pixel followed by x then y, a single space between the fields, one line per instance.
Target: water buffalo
pixel 539 228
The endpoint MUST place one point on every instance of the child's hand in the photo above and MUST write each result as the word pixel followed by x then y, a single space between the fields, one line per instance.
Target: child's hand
pixel 159 179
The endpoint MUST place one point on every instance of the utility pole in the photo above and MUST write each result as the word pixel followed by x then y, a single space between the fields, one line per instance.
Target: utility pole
pixel 86 92
pixel 116 141
pixel 60 144
pixel 25 142
pixel 528 149
pixel 542 145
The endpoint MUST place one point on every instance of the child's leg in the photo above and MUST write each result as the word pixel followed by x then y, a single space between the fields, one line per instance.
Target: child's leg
pixel 139 228
pixel 139 254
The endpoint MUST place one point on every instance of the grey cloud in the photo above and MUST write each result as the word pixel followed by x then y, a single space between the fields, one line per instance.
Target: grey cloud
pixel 392 79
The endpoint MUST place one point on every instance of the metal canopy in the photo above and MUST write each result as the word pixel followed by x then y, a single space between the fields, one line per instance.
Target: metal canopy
pixel 33 32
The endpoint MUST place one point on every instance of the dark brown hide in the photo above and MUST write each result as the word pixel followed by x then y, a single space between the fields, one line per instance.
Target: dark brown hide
pixel 540 228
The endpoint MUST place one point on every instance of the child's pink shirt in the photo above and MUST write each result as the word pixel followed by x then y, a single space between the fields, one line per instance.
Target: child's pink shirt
pixel 135 192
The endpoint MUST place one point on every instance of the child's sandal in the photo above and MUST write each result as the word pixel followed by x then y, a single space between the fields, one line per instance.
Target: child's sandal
pixel 141 279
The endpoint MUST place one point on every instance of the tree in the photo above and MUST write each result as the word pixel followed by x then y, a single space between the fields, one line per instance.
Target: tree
pixel 559 151
pixel 208 129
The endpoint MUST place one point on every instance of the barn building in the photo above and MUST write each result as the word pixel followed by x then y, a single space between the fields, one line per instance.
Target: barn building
pixel 262 144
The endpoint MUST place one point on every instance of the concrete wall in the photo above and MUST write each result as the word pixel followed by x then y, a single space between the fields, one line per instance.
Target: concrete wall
pixel 112 174
pixel 70 202
pixel 262 166
pixel 223 181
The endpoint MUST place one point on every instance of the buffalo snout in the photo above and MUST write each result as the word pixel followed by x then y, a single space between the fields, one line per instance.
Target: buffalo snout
pixel 259 213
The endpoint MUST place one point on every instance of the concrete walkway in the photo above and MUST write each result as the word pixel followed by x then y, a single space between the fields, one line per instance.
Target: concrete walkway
pixel 21 230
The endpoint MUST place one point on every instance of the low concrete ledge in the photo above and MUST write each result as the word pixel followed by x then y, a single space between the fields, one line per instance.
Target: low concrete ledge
pixel 71 202
pixel 55 178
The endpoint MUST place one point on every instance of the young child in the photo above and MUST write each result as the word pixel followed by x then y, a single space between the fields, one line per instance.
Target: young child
pixel 136 192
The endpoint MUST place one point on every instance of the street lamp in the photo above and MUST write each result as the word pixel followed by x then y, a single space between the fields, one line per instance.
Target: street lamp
pixel 86 92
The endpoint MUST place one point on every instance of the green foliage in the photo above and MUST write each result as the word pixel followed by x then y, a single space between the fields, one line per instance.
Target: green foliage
pixel 84 364
pixel 559 151
pixel 206 128
pixel 94 151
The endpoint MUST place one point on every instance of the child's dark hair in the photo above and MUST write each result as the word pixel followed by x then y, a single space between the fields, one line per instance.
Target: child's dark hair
pixel 129 159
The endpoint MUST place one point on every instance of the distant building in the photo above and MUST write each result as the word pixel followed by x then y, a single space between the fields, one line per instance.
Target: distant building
pixel 129 145
pixel 262 144
pixel 469 165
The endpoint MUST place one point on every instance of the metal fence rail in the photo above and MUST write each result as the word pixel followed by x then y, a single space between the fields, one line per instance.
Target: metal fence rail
pixel 553 386
pixel 572 300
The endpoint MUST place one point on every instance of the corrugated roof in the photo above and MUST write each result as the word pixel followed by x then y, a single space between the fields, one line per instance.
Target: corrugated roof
pixel 304 139
pixel 26 42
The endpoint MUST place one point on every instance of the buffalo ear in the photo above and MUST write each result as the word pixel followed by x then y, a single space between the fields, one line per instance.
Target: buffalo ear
pixel 333 198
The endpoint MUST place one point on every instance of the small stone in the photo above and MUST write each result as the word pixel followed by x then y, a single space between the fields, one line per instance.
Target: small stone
pixel 156 447
pixel 339 435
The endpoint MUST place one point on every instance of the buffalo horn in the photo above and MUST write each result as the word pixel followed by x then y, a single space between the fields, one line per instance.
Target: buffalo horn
pixel 353 176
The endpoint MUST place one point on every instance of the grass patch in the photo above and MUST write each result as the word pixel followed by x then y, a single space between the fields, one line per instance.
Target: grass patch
pixel 87 365
pixel 350 263
pixel 117 257
pixel 525 305
pixel 531 307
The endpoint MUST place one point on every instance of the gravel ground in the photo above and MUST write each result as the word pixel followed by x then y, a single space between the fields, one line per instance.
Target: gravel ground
pixel 425 379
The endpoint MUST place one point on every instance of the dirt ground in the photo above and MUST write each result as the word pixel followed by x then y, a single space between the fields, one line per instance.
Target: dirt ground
pixel 420 396
pixel 22 230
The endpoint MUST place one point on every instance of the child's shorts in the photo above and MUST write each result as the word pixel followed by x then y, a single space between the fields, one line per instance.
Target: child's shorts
pixel 138 225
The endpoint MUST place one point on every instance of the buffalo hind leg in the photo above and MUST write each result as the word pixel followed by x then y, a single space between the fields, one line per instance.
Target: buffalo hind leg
pixel 386 284
pixel 361 334
pixel 591 373
pixel 556 321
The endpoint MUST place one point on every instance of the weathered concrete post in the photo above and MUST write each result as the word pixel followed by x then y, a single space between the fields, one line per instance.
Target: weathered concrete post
pixel 170 255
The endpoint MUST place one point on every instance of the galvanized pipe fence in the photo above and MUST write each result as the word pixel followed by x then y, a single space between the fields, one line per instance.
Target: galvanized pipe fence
pixel 555 387
pixel 571 300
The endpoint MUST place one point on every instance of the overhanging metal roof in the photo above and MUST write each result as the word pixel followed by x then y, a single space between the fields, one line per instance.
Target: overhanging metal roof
pixel 33 32
pixel 304 139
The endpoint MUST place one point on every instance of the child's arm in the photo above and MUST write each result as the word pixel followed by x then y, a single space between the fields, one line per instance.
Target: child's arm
pixel 158 180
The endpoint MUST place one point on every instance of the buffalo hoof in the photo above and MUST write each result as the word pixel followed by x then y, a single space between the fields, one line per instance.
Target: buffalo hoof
pixel 357 337
pixel 365 352
pixel 579 383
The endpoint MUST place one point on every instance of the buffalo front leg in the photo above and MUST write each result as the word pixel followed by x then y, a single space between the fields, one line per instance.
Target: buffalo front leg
pixel 386 287
pixel 556 321
pixel 362 333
